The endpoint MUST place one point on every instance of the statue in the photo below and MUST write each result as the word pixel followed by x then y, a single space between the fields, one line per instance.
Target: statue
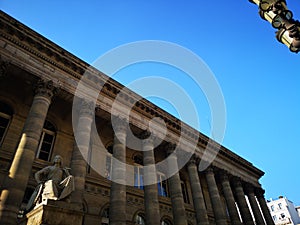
pixel 54 182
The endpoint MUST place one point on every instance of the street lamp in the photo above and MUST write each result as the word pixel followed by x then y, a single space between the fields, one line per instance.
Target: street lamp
pixel 277 13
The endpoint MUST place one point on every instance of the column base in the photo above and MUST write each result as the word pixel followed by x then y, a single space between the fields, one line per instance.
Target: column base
pixel 52 212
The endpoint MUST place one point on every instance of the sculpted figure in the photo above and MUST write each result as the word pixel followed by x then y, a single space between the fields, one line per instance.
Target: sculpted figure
pixel 54 182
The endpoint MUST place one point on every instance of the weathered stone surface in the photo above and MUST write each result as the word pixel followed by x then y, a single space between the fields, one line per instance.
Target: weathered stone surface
pixel 53 212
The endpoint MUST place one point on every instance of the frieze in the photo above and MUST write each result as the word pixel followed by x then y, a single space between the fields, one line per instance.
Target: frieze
pixel 165 208
pixel 132 200
pixel 97 190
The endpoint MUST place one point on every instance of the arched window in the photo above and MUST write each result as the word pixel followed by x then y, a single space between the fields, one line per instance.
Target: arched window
pixel 166 222
pixel 105 216
pixel 46 141
pixel 6 113
pixel 138 171
pixel 139 219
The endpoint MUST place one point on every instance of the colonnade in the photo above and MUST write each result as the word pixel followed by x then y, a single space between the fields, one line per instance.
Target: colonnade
pixel 232 188
pixel 219 182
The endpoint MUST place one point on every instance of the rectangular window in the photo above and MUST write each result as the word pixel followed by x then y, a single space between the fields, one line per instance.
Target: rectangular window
pixel 274 218
pixel 46 145
pixel 280 206
pixel 108 169
pixel 272 208
pixel 162 185
pixel 138 177
pixel 184 192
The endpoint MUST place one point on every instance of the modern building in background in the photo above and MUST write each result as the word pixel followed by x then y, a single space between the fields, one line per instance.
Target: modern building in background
pixel 38 80
pixel 298 210
pixel 283 211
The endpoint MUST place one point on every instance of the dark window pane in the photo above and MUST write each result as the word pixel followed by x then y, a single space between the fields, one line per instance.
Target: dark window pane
pixel 48 138
pixel 44 156
pixel 3 126
pixel 184 192
pixel 46 146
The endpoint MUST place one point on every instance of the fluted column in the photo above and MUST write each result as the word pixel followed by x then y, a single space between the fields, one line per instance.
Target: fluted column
pixel 198 199
pixel 218 209
pixel 117 209
pixel 263 205
pixel 255 209
pixel 19 172
pixel 179 215
pixel 241 200
pixel 150 177
pixel 233 213
pixel 81 149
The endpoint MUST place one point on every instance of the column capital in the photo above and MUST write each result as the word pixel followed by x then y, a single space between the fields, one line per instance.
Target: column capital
pixel 249 188
pixel 237 182
pixel 144 134
pixel 3 68
pixel 170 148
pixel 259 192
pixel 120 124
pixel 194 160
pixel 210 170
pixel 147 137
pixel 223 175
pixel 87 108
pixel 45 88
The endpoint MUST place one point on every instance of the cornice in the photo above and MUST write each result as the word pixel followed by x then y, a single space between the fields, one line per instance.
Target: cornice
pixel 48 52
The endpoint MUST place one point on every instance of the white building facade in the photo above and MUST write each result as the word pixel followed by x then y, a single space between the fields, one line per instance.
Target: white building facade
pixel 298 209
pixel 283 211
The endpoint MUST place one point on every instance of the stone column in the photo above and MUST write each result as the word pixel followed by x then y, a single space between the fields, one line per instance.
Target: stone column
pixel 150 176
pixel 217 205
pixel 82 122
pixel 263 205
pixel 179 215
pixel 255 209
pixel 233 213
pixel 198 199
pixel 20 169
pixel 241 200
pixel 117 209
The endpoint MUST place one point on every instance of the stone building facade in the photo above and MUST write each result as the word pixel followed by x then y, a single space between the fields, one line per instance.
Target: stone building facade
pixel 37 86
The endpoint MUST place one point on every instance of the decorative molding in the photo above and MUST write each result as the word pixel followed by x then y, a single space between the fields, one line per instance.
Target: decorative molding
pixel 248 188
pixel 120 124
pixel 194 160
pixel 87 108
pixel 259 192
pixel 45 88
pixel 170 148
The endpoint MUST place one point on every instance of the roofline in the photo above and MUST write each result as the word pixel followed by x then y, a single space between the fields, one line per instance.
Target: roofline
pixel 52 53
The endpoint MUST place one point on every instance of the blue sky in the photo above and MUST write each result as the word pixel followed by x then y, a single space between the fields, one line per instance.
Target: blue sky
pixel 259 76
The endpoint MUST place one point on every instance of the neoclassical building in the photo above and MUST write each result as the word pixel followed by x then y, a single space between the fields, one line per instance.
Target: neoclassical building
pixel 38 80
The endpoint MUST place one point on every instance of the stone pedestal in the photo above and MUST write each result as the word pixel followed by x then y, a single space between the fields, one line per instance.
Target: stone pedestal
pixel 53 212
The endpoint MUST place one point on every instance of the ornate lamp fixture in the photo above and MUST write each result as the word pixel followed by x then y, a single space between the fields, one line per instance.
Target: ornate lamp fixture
pixel 277 13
